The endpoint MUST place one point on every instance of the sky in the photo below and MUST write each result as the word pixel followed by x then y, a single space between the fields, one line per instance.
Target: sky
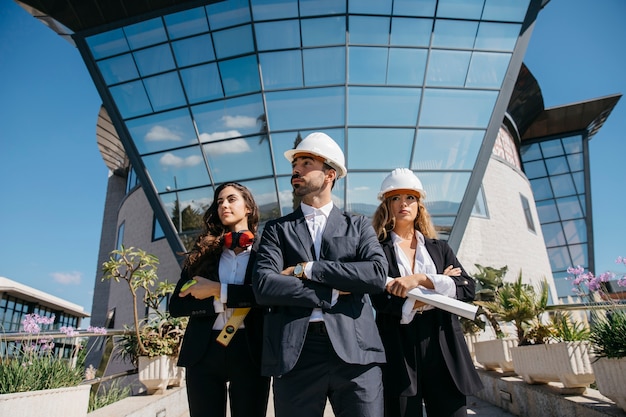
pixel 53 179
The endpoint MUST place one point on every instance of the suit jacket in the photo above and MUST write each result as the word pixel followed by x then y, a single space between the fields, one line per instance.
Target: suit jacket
pixel 202 315
pixel 400 377
pixel 351 260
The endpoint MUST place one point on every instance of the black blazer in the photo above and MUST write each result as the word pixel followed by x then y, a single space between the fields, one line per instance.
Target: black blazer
pixel 400 377
pixel 202 315
pixel 351 260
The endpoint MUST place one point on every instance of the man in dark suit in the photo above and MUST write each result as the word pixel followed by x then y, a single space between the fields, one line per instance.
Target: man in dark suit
pixel 315 268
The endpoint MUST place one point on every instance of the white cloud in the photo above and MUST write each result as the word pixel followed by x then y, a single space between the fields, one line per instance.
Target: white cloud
pixel 161 133
pixel 211 137
pixel 67 278
pixel 363 188
pixel 171 160
pixel 225 147
pixel 237 122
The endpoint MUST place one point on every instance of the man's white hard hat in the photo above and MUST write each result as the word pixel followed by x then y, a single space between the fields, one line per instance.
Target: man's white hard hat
pixel 323 146
pixel 401 179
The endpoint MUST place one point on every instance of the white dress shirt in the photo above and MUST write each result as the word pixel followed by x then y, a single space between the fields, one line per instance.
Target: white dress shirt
pixel 316 221
pixel 232 270
pixel 423 265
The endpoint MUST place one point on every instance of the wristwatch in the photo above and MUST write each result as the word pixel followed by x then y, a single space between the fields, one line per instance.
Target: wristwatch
pixel 298 271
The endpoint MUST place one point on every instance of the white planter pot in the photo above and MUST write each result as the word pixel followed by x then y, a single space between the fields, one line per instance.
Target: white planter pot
pixel 58 402
pixel 495 354
pixel 565 362
pixel 611 379
pixel 155 373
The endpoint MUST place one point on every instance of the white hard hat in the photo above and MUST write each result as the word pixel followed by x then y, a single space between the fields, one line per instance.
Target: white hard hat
pixel 322 145
pixel 401 179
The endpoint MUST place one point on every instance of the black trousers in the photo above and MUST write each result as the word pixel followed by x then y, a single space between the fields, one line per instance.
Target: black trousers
pixel 436 388
pixel 207 380
pixel 353 390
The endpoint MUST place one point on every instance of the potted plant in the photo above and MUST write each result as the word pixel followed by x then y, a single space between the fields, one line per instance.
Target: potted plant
pixel 608 331
pixel 35 377
pixel 153 343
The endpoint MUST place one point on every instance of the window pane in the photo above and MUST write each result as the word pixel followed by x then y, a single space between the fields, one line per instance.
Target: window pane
pixel 317 72
pixel 454 34
pixel 497 36
pixel 235 41
pixel 319 7
pixel 228 13
pixel 392 148
pixel 107 44
pixel 487 70
pixel 118 69
pixel 452 108
pixel 446 149
pixel 273 9
pixel 444 191
pixel 383 106
pixel 531 152
pixel 557 165
pixel 165 91
pixel 323 31
pixel 228 157
pixel 541 189
pixel 154 60
pixel 186 164
pixel 579 182
pixel 411 32
pixel 535 169
pixel 562 185
pixel 463 9
pixel 145 33
pixel 369 30
pixel 363 190
pixel 240 75
pixel 569 208
pixel 162 131
pixel 573 144
pixel 505 10
pixel 553 234
pixel 370 7
pixel 367 65
pixel 406 66
pixel 575 231
pixel 202 83
pixel 193 50
pixel 448 68
pixel 229 118
pixel 131 99
pixel 281 69
pixel 289 110
pixel 576 162
pixel 559 258
pixel 414 7
pixel 186 23
pixel 284 34
pixel 551 148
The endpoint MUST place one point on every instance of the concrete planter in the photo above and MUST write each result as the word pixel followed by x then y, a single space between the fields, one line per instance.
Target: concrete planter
pixel 565 362
pixel 159 372
pixel 495 354
pixel 611 379
pixel 58 402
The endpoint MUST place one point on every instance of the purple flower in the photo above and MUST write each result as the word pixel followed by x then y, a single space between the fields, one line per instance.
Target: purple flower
pixel 69 330
pixel 98 330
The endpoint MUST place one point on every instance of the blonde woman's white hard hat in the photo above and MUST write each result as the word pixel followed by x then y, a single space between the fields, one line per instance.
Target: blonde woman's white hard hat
pixel 401 179
pixel 323 146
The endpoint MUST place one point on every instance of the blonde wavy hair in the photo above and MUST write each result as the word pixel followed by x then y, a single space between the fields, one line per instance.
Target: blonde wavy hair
pixel 384 222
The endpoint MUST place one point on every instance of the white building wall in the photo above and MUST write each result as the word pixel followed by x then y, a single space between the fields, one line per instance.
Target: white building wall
pixel 503 239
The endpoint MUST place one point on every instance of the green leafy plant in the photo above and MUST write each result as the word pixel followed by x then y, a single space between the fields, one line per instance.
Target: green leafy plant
pixel 159 333
pixel 488 282
pixel 522 305
pixel 566 329
pixel 608 336
pixel 32 364
pixel 106 395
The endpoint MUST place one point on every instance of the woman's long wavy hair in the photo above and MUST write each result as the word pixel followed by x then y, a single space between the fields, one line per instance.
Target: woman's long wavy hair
pixel 384 222
pixel 208 245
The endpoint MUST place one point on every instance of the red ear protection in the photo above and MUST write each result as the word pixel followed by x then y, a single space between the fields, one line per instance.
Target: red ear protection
pixel 241 239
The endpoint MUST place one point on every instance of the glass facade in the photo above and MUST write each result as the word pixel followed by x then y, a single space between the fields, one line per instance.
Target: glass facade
pixel 556 170
pixel 219 92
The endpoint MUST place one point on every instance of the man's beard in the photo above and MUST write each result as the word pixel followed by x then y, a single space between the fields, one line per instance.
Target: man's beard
pixel 308 187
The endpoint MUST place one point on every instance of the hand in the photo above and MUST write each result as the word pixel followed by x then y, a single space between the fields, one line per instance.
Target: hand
pixel 451 271
pixel 418 304
pixel 400 287
pixel 288 270
pixel 203 288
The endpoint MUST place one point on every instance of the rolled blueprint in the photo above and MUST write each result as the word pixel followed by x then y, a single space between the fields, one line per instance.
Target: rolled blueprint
pixel 451 305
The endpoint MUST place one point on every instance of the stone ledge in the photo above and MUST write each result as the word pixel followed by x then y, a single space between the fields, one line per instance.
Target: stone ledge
pixel 173 403
pixel 510 393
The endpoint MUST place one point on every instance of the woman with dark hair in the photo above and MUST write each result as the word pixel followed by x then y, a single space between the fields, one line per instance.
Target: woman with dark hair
pixel 221 352
pixel 427 358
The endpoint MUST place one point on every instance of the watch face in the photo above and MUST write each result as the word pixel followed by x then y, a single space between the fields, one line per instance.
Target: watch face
pixel 298 270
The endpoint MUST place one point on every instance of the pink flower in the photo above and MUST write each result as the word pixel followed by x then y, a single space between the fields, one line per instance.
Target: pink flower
pixel 69 330
pixel 98 330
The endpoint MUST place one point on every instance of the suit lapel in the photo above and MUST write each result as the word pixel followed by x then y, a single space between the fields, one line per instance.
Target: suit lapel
pixel 303 234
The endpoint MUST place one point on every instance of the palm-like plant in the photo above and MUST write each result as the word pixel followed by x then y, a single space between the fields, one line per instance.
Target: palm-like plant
pixel 522 305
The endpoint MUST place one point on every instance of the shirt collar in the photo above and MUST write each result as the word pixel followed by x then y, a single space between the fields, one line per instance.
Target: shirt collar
pixel 396 239
pixel 311 211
